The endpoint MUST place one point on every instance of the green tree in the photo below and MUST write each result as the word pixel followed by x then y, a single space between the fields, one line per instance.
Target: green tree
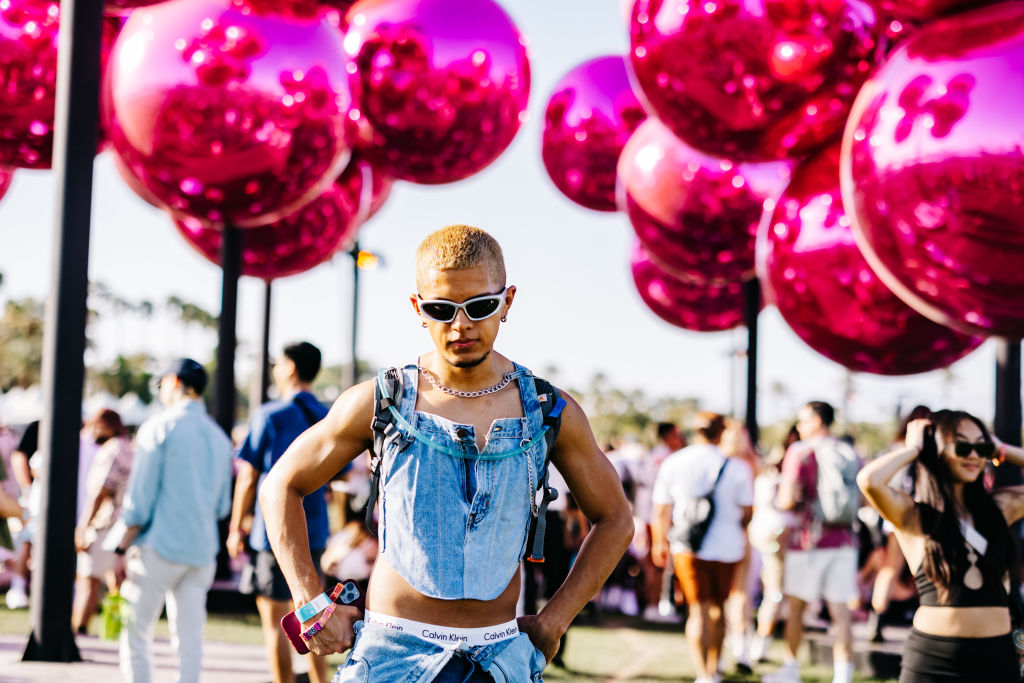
pixel 127 374
pixel 615 413
pixel 21 343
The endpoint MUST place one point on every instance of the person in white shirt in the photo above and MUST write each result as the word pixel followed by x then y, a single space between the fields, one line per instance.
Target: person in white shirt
pixel 705 572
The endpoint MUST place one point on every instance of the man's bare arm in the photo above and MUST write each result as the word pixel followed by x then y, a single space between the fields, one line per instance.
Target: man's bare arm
pixel 309 463
pixel 598 491
pixel 661 522
pixel 242 507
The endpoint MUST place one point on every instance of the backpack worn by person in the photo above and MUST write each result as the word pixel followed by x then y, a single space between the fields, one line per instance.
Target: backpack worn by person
pixel 697 516
pixel 838 496
pixel 387 392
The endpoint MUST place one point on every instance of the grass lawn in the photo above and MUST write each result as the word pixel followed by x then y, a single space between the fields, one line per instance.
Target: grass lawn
pixel 617 650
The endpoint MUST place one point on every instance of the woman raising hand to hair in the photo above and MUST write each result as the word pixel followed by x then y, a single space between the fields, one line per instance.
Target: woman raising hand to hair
pixel 956 539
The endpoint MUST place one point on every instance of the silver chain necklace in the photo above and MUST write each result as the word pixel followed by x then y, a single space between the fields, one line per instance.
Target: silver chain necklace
pixel 436 383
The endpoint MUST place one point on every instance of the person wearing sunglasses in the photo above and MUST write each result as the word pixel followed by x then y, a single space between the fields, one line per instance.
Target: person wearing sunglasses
pixel 458 484
pixel 956 539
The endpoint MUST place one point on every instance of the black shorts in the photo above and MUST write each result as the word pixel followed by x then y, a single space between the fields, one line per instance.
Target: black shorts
pixel 267 579
pixel 931 659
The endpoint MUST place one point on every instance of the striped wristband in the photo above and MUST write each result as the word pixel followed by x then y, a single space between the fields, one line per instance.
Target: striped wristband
pixel 313 607
pixel 319 625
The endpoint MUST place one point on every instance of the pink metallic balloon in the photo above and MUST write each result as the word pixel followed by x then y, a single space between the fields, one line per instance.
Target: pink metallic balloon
pixel 28 79
pixel 696 215
pixel 289 246
pixel 132 181
pixel 444 84
pixel 752 79
pixel 6 176
pixel 363 186
pixel 922 9
pixel 828 295
pixel 686 303
pixel 933 171
pixel 228 114
pixel 122 8
pixel 589 117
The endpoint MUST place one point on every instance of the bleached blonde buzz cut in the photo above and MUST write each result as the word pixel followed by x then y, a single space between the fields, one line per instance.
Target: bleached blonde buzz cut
pixel 457 247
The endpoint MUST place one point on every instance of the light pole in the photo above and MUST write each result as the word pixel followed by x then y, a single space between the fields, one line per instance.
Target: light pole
pixel 361 260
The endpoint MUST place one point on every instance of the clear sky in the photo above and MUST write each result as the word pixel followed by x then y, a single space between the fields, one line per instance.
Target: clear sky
pixel 576 313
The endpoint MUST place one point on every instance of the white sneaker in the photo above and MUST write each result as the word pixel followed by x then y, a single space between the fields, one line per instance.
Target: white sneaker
pixel 666 608
pixel 628 604
pixel 759 648
pixel 16 598
pixel 787 674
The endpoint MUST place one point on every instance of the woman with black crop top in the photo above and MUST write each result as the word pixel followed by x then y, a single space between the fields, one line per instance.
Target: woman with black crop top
pixel 956 539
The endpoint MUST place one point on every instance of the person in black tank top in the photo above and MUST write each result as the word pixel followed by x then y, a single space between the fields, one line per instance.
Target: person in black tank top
pixel 956 534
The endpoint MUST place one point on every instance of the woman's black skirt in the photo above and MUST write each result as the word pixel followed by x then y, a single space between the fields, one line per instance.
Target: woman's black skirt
pixel 928 658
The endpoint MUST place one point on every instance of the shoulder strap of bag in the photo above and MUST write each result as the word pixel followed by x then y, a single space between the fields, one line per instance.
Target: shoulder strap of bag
pixel 387 392
pixel 721 470
pixel 310 416
pixel 551 404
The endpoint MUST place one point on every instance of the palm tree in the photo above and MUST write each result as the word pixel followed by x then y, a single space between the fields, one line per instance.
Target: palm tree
pixel 21 343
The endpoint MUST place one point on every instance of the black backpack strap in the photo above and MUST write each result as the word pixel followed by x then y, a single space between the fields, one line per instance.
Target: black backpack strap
pixel 721 471
pixel 551 404
pixel 306 411
pixel 387 392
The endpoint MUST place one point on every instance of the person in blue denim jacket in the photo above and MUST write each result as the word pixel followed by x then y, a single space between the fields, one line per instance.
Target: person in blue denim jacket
pixel 457 492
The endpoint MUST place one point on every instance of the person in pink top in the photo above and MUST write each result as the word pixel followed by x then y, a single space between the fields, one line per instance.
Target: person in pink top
pixel 819 486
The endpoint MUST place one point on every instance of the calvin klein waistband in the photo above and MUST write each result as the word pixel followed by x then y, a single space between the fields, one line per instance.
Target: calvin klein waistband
pixel 446 635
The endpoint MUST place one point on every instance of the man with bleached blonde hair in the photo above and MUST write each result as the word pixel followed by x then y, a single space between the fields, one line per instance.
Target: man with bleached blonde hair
pixel 460 470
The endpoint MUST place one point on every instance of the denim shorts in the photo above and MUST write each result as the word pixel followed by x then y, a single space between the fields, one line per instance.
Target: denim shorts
pixel 382 655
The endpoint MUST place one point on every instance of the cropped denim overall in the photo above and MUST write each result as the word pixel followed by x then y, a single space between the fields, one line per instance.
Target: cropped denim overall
pixel 454 524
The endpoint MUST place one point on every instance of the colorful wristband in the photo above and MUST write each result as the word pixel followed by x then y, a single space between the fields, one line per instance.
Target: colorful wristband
pixel 319 625
pixel 313 607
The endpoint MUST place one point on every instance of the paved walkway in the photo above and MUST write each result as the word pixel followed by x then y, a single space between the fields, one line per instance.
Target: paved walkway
pixel 222 662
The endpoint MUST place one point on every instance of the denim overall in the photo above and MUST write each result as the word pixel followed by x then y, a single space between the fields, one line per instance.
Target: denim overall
pixel 454 523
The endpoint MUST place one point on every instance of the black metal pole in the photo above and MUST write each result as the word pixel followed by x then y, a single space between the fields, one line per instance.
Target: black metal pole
pixel 231 267
pixel 259 395
pixel 751 309
pixel 353 376
pixel 1007 423
pixel 225 393
pixel 74 148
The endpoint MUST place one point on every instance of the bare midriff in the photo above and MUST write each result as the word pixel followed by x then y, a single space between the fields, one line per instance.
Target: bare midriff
pixel 963 622
pixel 388 593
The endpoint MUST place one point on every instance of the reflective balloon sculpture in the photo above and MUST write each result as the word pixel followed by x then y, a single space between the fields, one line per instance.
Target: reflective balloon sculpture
pixel 6 176
pixel 364 187
pixel 752 79
pixel 922 9
pixel 933 171
pixel 828 295
pixel 686 303
pixel 124 7
pixel 443 83
pixel 288 246
pixel 696 215
pixel 228 114
pixel 28 79
pixel 133 182
pixel 588 120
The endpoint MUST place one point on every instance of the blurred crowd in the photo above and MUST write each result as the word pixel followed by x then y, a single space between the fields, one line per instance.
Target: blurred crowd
pixel 731 591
